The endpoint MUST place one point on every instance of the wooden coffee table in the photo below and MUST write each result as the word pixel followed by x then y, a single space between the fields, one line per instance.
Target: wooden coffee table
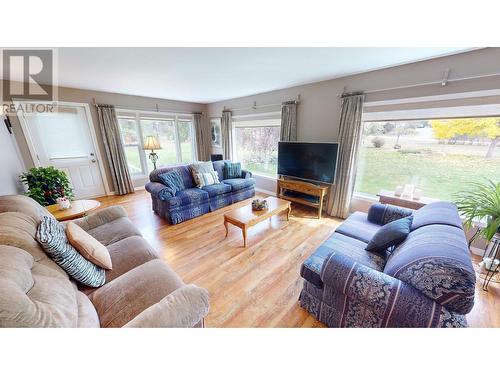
pixel 244 217
pixel 79 208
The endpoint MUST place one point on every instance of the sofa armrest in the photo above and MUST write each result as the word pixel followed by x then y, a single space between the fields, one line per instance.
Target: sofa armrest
pixel 382 214
pixel 96 219
pixel 394 302
pixel 246 174
pixel 183 308
pixel 159 190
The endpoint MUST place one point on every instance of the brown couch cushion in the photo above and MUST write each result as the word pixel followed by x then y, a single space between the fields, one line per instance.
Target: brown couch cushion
pixel 32 294
pixel 88 246
pixel 125 297
pixel 114 231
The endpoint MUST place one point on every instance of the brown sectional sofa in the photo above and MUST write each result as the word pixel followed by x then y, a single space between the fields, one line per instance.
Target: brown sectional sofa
pixel 140 291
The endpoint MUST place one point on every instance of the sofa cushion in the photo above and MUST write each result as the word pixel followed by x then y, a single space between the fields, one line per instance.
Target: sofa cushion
pixel 188 197
pixel 232 170
pixel 113 231
pixel 88 246
pixel 239 183
pixel 357 226
pixel 391 234
pixel 219 167
pixel 183 170
pixel 382 214
pixel 87 315
pixel 206 179
pixel 202 167
pixel 435 259
pixel 173 180
pixel 51 235
pixel 33 294
pixel 122 299
pixel 437 213
pixel 338 243
pixel 217 189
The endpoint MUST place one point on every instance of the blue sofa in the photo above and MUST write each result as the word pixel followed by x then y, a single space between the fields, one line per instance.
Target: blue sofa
pixel 193 201
pixel 426 281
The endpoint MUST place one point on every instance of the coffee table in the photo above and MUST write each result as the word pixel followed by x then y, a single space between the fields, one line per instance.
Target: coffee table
pixel 79 208
pixel 244 217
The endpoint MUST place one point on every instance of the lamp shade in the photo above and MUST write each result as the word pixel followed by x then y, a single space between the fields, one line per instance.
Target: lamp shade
pixel 151 143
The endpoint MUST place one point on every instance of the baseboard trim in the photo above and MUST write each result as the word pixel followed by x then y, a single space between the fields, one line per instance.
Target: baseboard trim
pixel 272 193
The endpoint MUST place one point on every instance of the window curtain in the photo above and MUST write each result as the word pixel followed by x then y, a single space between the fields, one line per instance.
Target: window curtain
pixel 115 152
pixel 288 121
pixel 349 139
pixel 202 141
pixel 227 134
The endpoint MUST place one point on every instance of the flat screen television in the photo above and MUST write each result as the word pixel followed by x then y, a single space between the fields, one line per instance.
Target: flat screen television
pixel 308 161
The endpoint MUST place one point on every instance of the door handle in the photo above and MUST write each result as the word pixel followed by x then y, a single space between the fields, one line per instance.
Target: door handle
pixel 93 160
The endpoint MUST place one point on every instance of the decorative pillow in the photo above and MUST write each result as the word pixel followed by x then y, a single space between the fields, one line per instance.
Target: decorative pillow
pixel 88 246
pixel 204 167
pixel 391 234
pixel 204 179
pixel 232 170
pixel 173 180
pixel 51 236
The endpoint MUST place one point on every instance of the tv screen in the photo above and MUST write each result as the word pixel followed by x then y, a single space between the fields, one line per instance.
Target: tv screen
pixel 308 161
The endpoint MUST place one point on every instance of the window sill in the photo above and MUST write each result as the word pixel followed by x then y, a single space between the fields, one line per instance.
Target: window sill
pixel 263 176
pixel 365 197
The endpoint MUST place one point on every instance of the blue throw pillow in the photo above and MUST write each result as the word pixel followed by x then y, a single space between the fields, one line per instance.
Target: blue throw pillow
pixel 391 234
pixel 173 180
pixel 232 170
pixel 52 236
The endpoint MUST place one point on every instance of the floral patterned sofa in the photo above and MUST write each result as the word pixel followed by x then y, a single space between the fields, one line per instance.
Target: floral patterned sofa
pixel 193 201
pixel 426 281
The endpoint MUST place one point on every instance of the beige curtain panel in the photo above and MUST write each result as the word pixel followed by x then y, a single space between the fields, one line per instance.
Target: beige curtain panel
pixel 202 138
pixel 288 121
pixel 227 134
pixel 349 141
pixel 115 152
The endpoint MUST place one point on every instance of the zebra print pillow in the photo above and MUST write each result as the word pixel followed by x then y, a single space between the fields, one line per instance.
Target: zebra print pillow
pixel 52 236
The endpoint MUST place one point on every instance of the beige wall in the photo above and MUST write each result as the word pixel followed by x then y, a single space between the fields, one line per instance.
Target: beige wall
pixel 319 108
pixel 86 96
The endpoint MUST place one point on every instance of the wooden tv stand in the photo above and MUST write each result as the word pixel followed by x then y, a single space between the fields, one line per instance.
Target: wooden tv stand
pixel 302 187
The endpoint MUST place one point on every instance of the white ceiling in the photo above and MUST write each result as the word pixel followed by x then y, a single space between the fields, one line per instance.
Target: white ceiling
pixel 206 75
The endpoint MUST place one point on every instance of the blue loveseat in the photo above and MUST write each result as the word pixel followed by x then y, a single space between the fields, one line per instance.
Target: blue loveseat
pixel 426 281
pixel 193 201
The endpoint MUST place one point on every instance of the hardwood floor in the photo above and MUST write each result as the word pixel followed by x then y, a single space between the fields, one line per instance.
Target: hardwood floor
pixel 257 286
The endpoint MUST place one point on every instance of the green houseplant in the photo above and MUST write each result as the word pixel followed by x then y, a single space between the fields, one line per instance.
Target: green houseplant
pixel 481 201
pixel 46 184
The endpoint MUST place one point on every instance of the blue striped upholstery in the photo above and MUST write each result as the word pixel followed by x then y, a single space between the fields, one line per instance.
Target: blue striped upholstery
pixel 51 235
pixel 192 201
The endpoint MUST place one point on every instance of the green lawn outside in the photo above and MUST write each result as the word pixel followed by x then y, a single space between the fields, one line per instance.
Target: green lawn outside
pixel 445 174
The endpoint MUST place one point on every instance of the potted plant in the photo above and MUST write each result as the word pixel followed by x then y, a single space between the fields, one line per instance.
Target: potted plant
pixel 481 202
pixel 46 184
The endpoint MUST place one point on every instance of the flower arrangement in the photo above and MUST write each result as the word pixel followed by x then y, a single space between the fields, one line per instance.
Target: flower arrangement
pixel 46 184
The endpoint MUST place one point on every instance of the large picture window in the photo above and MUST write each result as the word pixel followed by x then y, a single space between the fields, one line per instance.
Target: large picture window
pixel 256 144
pixel 438 156
pixel 174 134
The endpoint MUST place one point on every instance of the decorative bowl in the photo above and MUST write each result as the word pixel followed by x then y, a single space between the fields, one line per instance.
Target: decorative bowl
pixel 259 205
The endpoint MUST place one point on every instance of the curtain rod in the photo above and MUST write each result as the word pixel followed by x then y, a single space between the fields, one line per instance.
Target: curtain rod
pixel 255 106
pixel 148 109
pixel 442 82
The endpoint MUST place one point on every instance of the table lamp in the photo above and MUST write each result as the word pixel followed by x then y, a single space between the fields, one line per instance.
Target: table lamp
pixel 152 144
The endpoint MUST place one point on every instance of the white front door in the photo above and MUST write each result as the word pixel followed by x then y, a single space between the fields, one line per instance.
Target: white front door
pixel 63 140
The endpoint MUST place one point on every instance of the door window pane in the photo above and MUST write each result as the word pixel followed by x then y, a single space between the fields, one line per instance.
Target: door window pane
pixel 164 130
pixel 186 141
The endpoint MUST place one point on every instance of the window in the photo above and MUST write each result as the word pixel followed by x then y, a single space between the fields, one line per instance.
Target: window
pixel 256 144
pixel 174 134
pixel 438 156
